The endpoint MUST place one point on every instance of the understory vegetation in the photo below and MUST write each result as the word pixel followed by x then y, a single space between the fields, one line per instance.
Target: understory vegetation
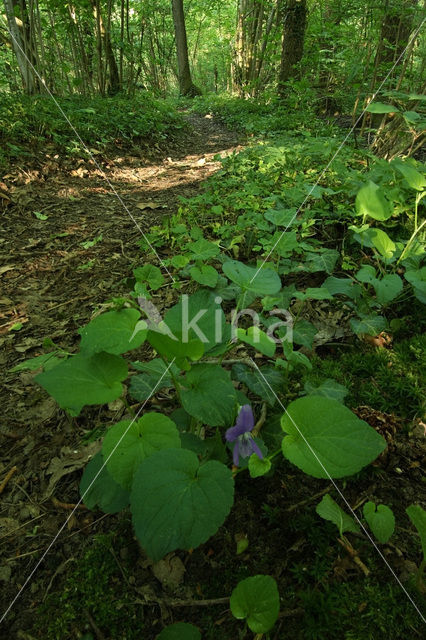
pixel 213 320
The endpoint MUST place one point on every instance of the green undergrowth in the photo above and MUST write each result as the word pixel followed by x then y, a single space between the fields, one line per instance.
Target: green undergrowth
pixel 93 585
pixel 388 380
pixel 267 116
pixel 27 123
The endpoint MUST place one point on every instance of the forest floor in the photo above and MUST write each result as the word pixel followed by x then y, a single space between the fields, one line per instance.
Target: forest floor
pixel 95 582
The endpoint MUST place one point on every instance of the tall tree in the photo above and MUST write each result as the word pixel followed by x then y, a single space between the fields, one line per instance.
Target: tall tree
pixel 20 33
pixel 295 18
pixel 186 86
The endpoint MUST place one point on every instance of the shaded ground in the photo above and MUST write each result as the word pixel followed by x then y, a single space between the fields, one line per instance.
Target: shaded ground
pixel 95 580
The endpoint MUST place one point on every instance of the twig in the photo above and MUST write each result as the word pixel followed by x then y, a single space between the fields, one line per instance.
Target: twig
pixel 67 505
pixel 7 478
pixel 293 507
pixel 94 626
pixel 259 424
pixel 354 555
pixel 183 603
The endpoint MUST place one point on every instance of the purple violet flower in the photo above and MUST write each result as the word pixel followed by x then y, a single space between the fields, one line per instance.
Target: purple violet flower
pixel 240 434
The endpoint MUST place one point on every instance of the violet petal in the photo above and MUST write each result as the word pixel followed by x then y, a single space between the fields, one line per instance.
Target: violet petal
pixel 236 453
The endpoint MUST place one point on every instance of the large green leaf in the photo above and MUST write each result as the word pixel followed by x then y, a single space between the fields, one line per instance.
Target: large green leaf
pixel 304 333
pixel 380 520
pixel 325 439
pixel 370 325
pixel 82 380
pixel 417 516
pixel 177 503
pixel 208 394
pixel 126 444
pixel 415 179
pixel 171 348
pixel 180 631
pixel 378 239
pixel 112 332
pixel 282 217
pixel 342 286
pixel 256 600
pixel 330 510
pixel 329 389
pixel 371 201
pixel 155 376
pixel 99 489
pixel 199 317
pixel 388 288
pixel 381 107
pixel 262 281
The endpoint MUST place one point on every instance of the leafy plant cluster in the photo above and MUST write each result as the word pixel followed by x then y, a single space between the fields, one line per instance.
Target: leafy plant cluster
pixel 27 122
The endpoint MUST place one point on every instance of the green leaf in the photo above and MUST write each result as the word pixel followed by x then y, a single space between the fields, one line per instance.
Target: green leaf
pixel 112 332
pixel 151 274
pixel 342 286
pixel 367 274
pixel 414 178
pixel 208 394
pixel 177 503
pixel 262 281
pixel 258 467
pixel 82 380
pixel 205 275
pixel 417 516
pixel 371 201
pixel 45 360
pixel 257 339
pixel 388 288
pixel 281 217
pixel 304 333
pixel 179 261
pixel 101 490
pixel 378 239
pixel 314 293
pixel 324 261
pixel 127 443
pixel 170 348
pixel 328 389
pixel 203 250
pixel 417 279
pixel 286 244
pixel 335 443
pixel 202 317
pixel 257 601
pixel 255 381
pixel 153 378
pixel 180 631
pixel 380 520
pixel 330 510
pixel 371 325
pixel 380 107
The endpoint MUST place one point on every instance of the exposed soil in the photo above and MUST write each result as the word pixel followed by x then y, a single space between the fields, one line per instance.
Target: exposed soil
pixel 52 284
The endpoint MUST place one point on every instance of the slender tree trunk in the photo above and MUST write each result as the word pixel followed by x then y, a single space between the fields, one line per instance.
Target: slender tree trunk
pixel 186 86
pixel 295 17
pixel 21 47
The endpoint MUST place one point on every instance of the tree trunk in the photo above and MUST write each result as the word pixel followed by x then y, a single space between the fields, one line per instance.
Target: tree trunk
pixel 21 47
pixel 186 86
pixel 295 15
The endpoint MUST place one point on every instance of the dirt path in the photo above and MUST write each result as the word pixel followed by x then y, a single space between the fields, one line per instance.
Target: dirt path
pixel 51 282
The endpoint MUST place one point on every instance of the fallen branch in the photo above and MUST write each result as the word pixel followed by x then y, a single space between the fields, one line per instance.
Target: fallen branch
pixel 7 478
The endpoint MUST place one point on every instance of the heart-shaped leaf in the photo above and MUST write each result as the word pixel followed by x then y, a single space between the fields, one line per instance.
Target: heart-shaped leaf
pixel 177 503
pixel 325 439
pixel 371 201
pixel 262 281
pixel 208 394
pixel 82 380
pixel 127 443
pixel 380 520
pixel 205 275
pixel 113 332
pixel 99 489
pixel 257 601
